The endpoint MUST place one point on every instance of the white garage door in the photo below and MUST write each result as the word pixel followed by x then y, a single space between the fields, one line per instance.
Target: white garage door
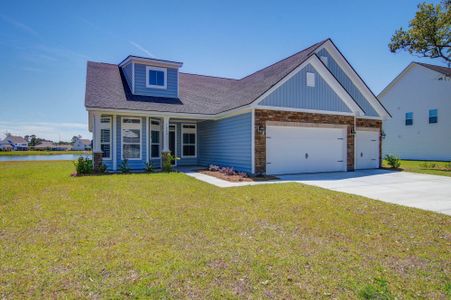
pixel 292 150
pixel 367 149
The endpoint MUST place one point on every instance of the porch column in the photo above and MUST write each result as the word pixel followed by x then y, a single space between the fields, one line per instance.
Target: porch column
pixel 165 134
pixel 165 152
pixel 97 152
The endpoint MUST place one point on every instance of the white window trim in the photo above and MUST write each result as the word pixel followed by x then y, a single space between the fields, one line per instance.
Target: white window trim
pixel 195 140
pixel 164 70
pixel 106 126
pixel 151 141
pixel 310 79
pixel 131 126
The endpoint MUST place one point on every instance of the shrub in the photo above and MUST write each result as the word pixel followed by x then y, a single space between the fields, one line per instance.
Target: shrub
pixel 393 161
pixel 378 290
pixel 167 163
pixel 83 166
pixel 148 167
pixel 214 168
pixel 124 168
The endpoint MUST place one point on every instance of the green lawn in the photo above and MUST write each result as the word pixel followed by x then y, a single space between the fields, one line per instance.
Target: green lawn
pixel 32 152
pixel 170 236
pixel 425 167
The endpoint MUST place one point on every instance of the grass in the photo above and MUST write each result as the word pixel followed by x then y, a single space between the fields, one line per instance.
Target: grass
pixel 166 236
pixel 35 152
pixel 425 167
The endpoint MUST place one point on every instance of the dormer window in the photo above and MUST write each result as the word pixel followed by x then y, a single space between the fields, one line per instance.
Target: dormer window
pixel 156 77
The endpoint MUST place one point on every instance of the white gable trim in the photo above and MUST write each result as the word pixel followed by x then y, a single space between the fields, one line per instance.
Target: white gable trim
pixel 358 82
pixel 398 78
pixel 326 75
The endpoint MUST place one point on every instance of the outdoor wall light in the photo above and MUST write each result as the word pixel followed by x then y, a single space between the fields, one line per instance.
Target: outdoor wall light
pixel 261 129
pixel 383 135
pixel 352 131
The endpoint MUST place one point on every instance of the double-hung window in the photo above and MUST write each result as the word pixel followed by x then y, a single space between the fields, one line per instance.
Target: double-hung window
pixel 409 118
pixel 156 77
pixel 105 137
pixel 433 116
pixel 189 140
pixel 131 138
pixel 155 130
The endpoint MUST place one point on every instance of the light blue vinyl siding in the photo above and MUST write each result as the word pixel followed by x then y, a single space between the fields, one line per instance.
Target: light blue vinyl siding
pixel 226 142
pixel 140 83
pixel 133 164
pixel 296 94
pixel 348 84
pixel 128 72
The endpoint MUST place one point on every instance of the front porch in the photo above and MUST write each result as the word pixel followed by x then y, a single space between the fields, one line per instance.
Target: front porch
pixel 143 139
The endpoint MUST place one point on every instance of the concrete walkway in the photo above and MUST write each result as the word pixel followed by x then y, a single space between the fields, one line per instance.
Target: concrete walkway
pixel 429 192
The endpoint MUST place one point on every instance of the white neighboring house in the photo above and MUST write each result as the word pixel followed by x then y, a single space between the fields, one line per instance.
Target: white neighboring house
pixel 419 100
pixel 18 143
pixel 82 145
pixel 5 146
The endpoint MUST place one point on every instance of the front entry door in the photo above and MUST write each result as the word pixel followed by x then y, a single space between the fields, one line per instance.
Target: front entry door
pixel 172 142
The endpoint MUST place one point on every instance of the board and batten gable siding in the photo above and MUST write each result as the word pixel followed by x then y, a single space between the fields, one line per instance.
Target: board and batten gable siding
pixel 295 93
pixel 348 85
pixel 128 73
pixel 226 142
pixel 171 90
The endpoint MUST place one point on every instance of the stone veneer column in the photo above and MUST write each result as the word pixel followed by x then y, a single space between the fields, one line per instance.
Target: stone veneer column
pixel 97 161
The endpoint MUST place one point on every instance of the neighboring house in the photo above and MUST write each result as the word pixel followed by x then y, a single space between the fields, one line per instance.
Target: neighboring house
pixel 82 145
pixel 45 145
pixel 419 99
pixel 18 143
pixel 310 112
pixel 5 146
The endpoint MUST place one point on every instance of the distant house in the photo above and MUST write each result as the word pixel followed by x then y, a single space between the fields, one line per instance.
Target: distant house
pixel 45 145
pixel 419 100
pixel 18 143
pixel 5 146
pixel 63 147
pixel 82 145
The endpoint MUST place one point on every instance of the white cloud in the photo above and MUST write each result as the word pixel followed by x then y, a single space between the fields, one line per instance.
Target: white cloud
pixel 20 25
pixel 139 47
pixel 49 130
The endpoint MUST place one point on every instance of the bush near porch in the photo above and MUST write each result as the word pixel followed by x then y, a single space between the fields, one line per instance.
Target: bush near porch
pixel 170 236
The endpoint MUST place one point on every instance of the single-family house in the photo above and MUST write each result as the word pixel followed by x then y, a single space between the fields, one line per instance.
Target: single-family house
pixel 18 143
pixel 309 112
pixel 5 146
pixel 45 145
pixel 419 99
pixel 82 145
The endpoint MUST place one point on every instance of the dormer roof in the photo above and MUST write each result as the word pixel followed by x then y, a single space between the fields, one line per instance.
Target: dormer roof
pixel 151 61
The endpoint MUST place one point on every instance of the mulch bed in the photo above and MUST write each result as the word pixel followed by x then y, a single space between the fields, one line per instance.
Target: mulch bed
pixel 237 178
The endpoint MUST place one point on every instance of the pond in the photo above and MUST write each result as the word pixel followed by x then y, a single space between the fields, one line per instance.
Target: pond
pixel 41 157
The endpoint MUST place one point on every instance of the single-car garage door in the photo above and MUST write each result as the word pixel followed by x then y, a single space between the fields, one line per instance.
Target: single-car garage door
pixel 367 149
pixel 291 149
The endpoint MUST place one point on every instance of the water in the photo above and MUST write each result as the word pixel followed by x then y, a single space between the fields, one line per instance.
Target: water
pixel 42 157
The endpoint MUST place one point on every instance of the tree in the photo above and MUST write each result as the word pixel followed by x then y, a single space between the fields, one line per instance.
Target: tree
pixel 429 33
pixel 75 138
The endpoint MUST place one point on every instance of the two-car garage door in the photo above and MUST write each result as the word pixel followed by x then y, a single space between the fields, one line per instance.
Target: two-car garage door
pixel 298 149
pixel 295 149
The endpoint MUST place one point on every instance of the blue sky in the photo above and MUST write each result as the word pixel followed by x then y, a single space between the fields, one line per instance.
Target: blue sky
pixel 44 46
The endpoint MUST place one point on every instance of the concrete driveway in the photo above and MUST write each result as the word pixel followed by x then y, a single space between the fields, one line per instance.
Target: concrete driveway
pixel 423 191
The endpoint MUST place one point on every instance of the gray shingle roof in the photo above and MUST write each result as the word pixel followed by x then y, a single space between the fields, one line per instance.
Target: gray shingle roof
pixel 16 139
pixel 106 88
pixel 444 70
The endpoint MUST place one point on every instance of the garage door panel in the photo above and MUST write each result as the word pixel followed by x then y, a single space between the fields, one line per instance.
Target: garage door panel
pixel 305 149
pixel 367 149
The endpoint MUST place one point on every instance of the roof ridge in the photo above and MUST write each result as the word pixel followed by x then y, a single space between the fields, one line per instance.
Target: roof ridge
pixel 315 46
pixel 202 75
